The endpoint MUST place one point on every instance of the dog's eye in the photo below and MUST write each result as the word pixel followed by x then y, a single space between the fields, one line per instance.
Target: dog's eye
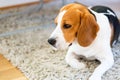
pixel 66 26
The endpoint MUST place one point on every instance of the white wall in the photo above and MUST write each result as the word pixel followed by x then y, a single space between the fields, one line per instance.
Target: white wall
pixel 4 3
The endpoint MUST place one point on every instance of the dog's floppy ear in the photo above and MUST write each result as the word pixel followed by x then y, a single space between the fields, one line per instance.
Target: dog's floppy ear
pixel 87 30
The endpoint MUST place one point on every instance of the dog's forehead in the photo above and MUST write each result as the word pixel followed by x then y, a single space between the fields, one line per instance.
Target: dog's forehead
pixel 60 16
pixel 67 15
pixel 71 14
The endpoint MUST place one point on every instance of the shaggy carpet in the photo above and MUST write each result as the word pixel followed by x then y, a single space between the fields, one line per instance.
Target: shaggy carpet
pixel 30 52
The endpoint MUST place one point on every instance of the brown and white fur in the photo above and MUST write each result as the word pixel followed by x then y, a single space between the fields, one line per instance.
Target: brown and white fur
pixel 84 32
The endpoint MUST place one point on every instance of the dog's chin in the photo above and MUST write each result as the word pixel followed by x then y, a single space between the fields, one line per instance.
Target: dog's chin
pixel 61 46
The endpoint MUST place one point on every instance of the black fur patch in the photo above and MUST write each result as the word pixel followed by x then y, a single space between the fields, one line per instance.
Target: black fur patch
pixel 112 19
pixel 92 14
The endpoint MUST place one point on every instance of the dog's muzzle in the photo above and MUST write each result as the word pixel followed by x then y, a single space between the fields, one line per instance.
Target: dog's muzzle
pixel 53 42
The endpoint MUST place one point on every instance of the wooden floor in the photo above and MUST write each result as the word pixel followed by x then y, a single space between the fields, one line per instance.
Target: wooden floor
pixel 8 71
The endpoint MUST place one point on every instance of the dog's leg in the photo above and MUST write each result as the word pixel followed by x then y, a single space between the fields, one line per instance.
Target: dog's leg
pixel 106 63
pixel 73 61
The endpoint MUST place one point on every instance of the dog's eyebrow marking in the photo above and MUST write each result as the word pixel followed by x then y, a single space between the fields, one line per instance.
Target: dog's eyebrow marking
pixel 60 16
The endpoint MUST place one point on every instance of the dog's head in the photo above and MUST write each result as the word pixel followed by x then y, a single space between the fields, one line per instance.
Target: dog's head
pixel 74 22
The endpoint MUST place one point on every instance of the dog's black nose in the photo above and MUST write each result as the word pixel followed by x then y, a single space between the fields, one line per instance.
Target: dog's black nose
pixel 52 41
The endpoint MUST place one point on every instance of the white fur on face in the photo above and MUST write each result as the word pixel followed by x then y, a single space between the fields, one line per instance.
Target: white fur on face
pixel 58 34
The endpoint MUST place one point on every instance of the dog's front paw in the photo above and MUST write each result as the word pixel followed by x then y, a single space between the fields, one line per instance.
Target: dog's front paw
pixel 79 65
pixel 74 63
pixel 94 78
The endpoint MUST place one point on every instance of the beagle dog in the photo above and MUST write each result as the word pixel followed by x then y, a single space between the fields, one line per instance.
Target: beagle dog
pixel 88 32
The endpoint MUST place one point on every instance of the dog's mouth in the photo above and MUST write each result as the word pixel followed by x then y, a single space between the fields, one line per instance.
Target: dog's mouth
pixel 55 47
pixel 70 44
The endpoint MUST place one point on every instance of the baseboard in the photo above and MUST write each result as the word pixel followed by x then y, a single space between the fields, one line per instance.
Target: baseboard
pixel 23 4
